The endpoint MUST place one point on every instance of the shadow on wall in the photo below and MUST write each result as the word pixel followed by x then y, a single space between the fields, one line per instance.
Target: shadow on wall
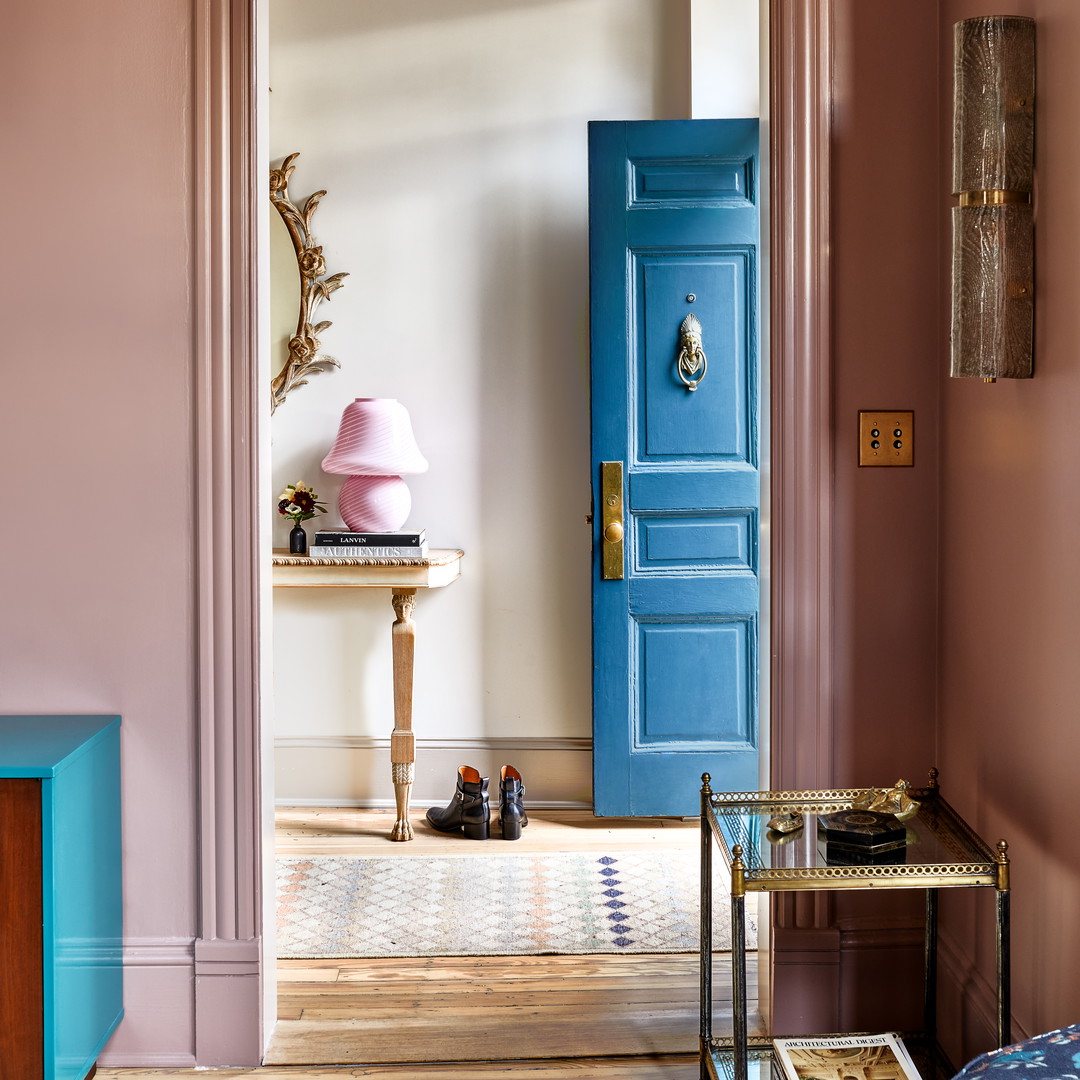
pixel 546 364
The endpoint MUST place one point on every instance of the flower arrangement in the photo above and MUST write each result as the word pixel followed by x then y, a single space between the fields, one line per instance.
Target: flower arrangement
pixel 298 502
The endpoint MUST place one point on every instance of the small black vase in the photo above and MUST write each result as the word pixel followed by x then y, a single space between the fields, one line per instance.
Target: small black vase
pixel 298 540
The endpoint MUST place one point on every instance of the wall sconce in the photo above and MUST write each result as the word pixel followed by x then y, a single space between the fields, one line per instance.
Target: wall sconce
pixel 992 227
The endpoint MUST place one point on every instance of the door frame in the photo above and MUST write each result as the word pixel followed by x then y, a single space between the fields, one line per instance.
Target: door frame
pixel 230 410
pixel 234 976
pixel 800 403
pixel 804 943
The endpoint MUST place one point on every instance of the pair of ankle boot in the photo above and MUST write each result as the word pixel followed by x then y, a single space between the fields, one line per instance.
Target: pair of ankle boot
pixel 470 811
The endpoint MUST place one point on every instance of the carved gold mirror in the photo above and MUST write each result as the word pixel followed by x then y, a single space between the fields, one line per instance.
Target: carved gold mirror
pixel 306 272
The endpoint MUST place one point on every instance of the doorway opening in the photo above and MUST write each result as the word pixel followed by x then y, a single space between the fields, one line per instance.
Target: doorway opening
pixel 465 333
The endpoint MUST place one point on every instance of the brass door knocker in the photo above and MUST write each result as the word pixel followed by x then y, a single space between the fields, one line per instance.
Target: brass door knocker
pixel 692 363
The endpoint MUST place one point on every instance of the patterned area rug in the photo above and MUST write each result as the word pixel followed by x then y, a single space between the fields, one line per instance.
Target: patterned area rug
pixel 338 907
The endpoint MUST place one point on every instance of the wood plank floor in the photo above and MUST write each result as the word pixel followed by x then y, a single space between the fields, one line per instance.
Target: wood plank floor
pixel 322 831
pixel 544 1017
pixel 682 1067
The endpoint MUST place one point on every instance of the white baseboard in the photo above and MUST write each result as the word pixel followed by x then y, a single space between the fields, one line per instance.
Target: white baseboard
pixel 389 804
pixel 158 1029
pixel 354 771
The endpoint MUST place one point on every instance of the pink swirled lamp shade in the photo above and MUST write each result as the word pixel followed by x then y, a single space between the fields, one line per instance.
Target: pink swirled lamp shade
pixel 375 503
pixel 375 438
pixel 375 447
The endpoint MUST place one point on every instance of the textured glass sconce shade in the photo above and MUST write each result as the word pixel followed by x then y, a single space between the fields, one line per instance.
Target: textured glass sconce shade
pixel 993 169
pixel 375 447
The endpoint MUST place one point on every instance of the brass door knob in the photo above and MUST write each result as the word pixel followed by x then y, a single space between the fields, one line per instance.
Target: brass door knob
pixel 613 533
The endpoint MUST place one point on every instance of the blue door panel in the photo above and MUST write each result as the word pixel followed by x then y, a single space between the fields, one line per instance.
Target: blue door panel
pixel 674 231
pixel 715 423
pixel 711 540
pixel 686 181
pixel 693 489
pixel 656 231
pixel 696 685
pixel 693 594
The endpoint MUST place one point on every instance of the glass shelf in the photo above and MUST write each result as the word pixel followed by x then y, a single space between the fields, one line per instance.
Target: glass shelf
pixel 761 1062
pixel 939 848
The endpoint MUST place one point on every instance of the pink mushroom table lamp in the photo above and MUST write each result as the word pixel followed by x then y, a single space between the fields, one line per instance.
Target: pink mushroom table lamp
pixel 375 448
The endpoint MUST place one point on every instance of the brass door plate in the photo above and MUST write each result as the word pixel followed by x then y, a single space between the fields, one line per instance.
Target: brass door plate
pixel 886 437
pixel 611 520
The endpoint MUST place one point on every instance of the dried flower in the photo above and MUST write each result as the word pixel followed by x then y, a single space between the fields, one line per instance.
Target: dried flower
pixel 298 502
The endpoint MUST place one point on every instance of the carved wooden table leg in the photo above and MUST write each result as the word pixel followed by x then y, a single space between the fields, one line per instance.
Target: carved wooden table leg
pixel 402 741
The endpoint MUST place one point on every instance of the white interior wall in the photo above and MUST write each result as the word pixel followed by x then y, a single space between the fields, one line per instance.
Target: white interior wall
pixel 451 138
pixel 724 52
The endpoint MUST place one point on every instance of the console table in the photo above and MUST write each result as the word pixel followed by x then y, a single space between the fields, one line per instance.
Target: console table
pixel 403 577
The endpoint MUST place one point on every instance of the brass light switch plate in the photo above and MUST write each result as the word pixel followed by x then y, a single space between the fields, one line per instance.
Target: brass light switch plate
pixel 886 437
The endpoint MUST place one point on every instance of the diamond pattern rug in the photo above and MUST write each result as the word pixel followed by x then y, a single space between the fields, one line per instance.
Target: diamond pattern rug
pixel 338 907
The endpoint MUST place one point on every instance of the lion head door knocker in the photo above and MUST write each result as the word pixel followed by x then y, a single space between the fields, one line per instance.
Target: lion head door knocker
pixel 692 363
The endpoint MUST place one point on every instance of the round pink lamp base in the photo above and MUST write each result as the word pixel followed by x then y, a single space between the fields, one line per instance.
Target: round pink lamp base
pixel 374 503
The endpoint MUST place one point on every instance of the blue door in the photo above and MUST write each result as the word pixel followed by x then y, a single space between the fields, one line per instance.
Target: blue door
pixel 673 233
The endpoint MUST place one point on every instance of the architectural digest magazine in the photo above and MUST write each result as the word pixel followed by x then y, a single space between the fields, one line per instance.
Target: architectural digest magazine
pixel 845 1057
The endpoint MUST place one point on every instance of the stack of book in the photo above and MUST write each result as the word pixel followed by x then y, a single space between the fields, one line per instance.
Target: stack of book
pixel 365 545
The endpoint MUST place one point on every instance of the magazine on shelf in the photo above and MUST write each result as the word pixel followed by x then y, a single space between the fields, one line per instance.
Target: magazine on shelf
pixel 837 1057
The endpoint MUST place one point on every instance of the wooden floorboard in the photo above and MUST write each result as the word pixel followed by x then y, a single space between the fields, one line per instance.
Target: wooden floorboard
pixel 331 831
pixel 473 1009
pixel 662 1067
pixel 459 1018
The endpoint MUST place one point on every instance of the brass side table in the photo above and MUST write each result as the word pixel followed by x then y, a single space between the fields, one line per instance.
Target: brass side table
pixel 403 577
pixel 942 851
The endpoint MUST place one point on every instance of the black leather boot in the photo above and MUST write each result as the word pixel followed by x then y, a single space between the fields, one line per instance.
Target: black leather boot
pixel 512 814
pixel 468 809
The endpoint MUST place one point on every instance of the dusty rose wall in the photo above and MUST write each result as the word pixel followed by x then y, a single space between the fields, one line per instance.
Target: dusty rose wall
pixel 956 580
pixel 96 437
pixel 97 374
pixel 887 343
pixel 1010 582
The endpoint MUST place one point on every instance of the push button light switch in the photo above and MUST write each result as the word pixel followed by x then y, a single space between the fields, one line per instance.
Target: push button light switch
pixel 886 437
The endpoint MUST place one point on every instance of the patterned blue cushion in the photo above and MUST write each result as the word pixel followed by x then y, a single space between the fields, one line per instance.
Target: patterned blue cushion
pixel 1053 1056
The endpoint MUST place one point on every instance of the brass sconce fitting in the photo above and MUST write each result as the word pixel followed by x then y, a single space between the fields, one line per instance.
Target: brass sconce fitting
pixel 993 172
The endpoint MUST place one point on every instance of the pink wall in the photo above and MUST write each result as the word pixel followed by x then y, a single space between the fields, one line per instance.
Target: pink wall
pixel 887 326
pixel 887 333
pixel 956 580
pixel 96 437
pixel 1010 579
pixel 99 354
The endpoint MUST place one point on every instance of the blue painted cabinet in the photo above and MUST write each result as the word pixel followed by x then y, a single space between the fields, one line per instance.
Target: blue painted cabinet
pixel 61 979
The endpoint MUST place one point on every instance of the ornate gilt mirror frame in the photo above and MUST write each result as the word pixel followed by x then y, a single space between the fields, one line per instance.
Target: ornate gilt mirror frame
pixel 304 358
